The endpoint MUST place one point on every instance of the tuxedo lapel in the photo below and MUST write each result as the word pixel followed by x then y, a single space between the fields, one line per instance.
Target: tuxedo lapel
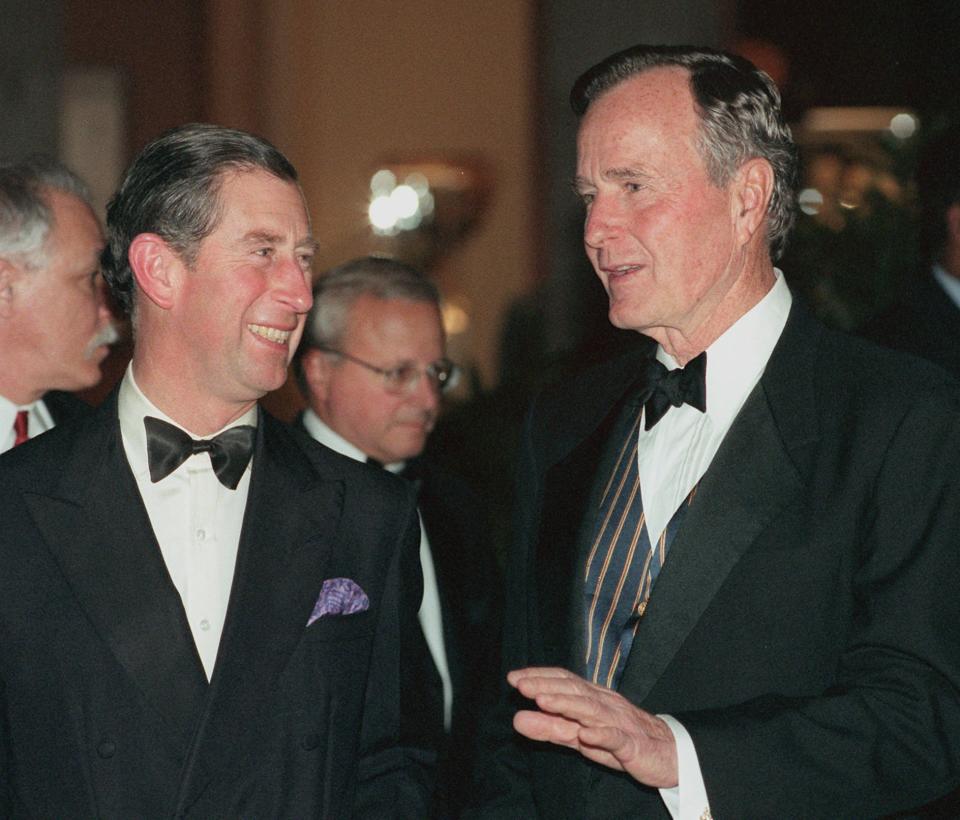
pixel 757 471
pixel 289 527
pixel 95 524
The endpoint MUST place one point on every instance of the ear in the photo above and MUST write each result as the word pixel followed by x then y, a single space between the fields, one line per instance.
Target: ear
pixel 753 187
pixel 317 370
pixel 155 266
pixel 8 276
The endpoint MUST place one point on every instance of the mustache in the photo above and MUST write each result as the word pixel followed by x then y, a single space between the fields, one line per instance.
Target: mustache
pixel 106 335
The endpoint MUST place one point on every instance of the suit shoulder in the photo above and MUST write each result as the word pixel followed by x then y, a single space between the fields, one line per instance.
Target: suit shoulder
pixel 331 464
pixel 583 398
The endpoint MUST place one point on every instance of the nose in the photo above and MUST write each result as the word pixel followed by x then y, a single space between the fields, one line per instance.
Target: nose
pixel 601 223
pixel 292 286
pixel 426 393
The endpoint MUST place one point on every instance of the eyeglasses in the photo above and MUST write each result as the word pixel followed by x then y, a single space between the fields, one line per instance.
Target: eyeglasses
pixel 404 378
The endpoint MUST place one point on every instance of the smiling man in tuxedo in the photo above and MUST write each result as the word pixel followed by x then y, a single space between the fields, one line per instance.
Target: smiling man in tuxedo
pixel 54 323
pixel 736 547
pixel 202 612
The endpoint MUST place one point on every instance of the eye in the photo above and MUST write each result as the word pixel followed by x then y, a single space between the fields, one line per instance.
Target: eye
pixel 305 260
pixel 585 198
pixel 402 376
pixel 633 187
pixel 265 253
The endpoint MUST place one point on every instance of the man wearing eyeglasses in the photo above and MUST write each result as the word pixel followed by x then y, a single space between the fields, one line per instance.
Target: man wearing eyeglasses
pixel 372 367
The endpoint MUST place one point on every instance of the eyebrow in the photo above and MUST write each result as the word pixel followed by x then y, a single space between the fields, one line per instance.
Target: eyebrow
pixel 255 237
pixel 579 183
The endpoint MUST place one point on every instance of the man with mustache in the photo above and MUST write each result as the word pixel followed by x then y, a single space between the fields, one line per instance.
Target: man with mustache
pixel 372 367
pixel 203 613
pixel 54 324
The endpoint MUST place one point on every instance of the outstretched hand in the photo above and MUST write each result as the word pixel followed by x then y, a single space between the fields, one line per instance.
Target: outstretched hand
pixel 599 723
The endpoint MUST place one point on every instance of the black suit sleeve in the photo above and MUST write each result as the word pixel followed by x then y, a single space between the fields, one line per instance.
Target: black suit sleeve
pixel 886 732
pixel 396 765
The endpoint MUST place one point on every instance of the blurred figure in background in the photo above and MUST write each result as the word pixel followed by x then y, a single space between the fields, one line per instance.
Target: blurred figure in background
pixel 372 367
pixel 927 320
pixel 55 327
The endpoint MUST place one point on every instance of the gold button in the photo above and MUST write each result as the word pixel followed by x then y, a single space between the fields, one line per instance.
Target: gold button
pixel 642 608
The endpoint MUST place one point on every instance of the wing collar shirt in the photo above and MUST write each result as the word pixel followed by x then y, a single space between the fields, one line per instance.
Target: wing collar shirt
pixel 39 420
pixel 196 520
pixel 676 453
pixel 431 620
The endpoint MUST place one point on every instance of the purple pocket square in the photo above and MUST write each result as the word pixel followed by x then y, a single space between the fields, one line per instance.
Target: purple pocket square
pixel 339 596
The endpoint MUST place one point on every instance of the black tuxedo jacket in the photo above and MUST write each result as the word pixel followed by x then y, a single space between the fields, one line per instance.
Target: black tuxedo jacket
pixel 104 707
pixel 926 323
pixel 470 606
pixel 471 610
pixel 802 627
pixel 64 406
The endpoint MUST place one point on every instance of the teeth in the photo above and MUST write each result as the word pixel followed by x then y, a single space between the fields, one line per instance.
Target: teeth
pixel 270 333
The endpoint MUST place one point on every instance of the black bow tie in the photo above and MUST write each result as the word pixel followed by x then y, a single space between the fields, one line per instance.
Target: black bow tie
pixel 671 388
pixel 169 446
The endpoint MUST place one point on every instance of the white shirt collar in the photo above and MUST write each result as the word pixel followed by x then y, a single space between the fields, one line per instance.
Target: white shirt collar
pixel 133 406
pixel 736 360
pixel 321 431
pixel 950 284
pixel 39 420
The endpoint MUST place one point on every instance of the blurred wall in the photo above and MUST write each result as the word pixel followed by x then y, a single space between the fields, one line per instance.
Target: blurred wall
pixel 343 86
pixel 31 60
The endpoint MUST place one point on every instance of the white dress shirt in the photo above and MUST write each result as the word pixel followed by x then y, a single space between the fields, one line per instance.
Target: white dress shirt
pixel 196 520
pixel 675 455
pixel 39 421
pixel 430 616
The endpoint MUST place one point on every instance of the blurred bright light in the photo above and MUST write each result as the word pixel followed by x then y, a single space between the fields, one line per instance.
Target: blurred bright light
pixel 418 182
pixel 903 126
pixel 810 200
pixel 405 201
pixel 394 208
pixel 382 182
pixel 382 213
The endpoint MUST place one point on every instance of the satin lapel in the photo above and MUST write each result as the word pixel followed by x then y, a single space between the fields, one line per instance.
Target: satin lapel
pixel 290 525
pixel 757 471
pixel 97 528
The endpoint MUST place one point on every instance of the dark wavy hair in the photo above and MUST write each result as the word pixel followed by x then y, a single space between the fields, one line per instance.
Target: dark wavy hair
pixel 172 189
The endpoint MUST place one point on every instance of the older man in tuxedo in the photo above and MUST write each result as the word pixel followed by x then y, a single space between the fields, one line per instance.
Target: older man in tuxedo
pixel 54 324
pixel 373 366
pixel 202 612
pixel 736 547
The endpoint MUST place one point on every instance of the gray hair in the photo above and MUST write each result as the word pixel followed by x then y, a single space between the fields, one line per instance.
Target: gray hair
pixel 173 189
pixel 25 213
pixel 336 291
pixel 740 118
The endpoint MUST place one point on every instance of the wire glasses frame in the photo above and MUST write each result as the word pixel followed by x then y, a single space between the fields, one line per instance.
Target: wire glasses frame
pixel 404 378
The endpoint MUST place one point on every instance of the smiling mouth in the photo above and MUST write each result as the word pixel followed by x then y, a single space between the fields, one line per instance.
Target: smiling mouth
pixel 271 334
pixel 622 270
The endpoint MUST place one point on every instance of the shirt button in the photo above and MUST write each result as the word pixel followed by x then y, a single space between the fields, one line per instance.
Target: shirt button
pixel 106 749
pixel 205 625
pixel 201 535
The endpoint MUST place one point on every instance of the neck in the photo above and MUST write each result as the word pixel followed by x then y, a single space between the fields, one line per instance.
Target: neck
pixel 198 414
pixel 710 321
pixel 19 393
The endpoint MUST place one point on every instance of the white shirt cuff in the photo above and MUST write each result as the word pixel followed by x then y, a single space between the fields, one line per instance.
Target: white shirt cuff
pixel 688 799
